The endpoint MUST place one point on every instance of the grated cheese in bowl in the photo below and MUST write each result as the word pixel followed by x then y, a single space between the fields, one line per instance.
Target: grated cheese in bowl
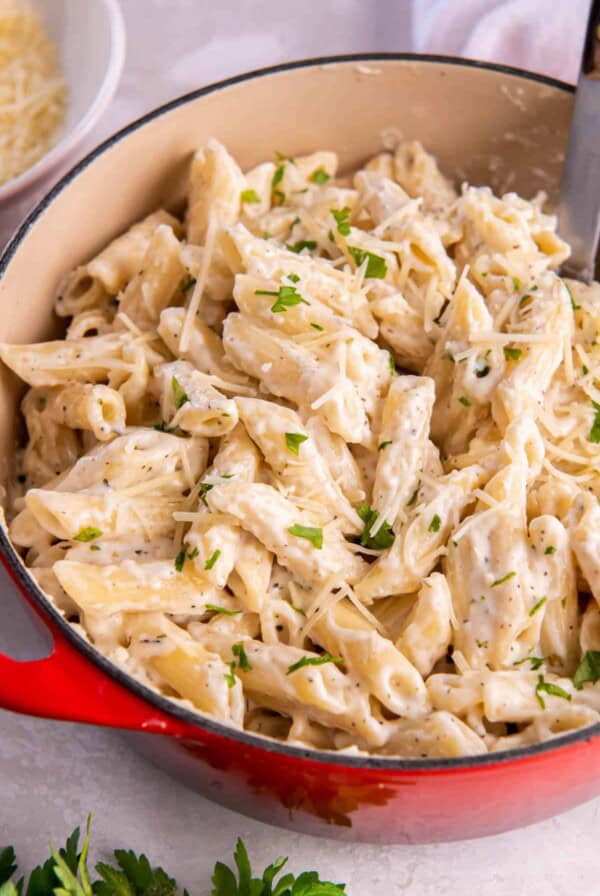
pixel 33 93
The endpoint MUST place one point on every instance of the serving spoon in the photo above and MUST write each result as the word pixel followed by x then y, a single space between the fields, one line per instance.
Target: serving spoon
pixel 579 208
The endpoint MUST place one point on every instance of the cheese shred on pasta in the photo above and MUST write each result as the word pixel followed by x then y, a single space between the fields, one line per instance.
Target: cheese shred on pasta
pixel 32 90
pixel 326 466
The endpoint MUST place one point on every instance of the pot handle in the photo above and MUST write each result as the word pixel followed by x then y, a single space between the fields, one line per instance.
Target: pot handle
pixel 66 685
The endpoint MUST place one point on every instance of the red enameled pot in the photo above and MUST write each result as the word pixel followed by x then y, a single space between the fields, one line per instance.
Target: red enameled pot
pixel 486 123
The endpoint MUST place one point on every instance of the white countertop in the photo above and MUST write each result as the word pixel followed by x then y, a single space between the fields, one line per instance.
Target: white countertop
pixel 52 774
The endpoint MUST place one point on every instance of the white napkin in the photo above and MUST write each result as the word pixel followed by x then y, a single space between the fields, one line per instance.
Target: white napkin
pixel 530 34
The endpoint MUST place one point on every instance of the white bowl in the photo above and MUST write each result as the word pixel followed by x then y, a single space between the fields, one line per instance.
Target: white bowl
pixel 90 36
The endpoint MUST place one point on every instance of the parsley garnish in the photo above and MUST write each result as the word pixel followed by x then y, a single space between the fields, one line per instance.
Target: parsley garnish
pixel 550 549
pixel 188 284
pixel 180 558
pixel 239 652
pixel 524 300
pixel 300 245
pixel 293 440
pixel 434 525
pixel 574 306
pixel 384 445
pixel 509 575
pixel 277 195
pixel 310 533
pixel 585 370
pixel 212 559
pixel 293 278
pixel 391 363
pixel 204 488
pixel 95 547
pixel 384 537
pixel 548 688
pixel 536 662
pixel 215 608
pixel 342 219
pixel 413 497
pixel 250 196
pixel 287 297
pixel 319 176
pixel 376 265
pixel 537 606
pixel 595 430
pixel 465 401
pixel 588 669
pixel 88 533
pixel 512 354
pixel 314 661
pixel 230 676
pixel 179 393
pixel 317 327
pixel 516 284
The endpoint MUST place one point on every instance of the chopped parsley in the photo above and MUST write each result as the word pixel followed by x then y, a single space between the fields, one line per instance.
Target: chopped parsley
pixel 384 445
pixel 230 676
pixel 293 278
pixel 189 284
pixel 342 219
pixel 310 533
pixel 536 662
pixel 212 559
pixel 509 575
pixel 547 687
pixel 391 363
pixel 538 606
pixel 243 661
pixel 319 176
pixel 512 354
pixel 595 430
pixel 204 488
pixel 293 440
pixel 465 401
pixel 588 669
pixel 314 661
pixel 317 327
pixel 250 196
pixel 180 558
pixel 88 533
pixel 550 549
pixel 179 393
pixel 300 245
pixel 277 196
pixel 585 370
pixel 524 300
pixel 215 608
pixel 287 297
pixel 413 497
pixel 516 284
pixel 574 306
pixel 296 609
pixel 95 547
pixel 434 525
pixel 384 537
pixel 376 265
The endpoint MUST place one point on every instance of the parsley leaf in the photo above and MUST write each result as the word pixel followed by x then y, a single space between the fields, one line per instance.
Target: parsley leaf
pixel 88 533
pixel 342 219
pixel 465 401
pixel 384 537
pixel 300 245
pixel 317 327
pixel 212 559
pixel 413 497
pixel 287 297
pixel 293 440
pixel 239 652
pixel 204 488
pixel 215 608
pixel 434 525
pixel 536 662
pixel 384 445
pixel 277 196
pixel 574 306
pixel 516 284
pixel 512 354
pixel 179 393
pixel 319 176
pixel 509 575
pixel 8 865
pixel 538 606
pixel 230 677
pixel 180 558
pixel 310 533
pixel 376 265
pixel 588 669
pixel 391 363
pixel 250 196
pixel 550 549
pixel 314 661
pixel 547 687
pixel 595 430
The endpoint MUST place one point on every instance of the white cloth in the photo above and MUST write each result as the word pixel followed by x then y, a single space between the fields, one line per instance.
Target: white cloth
pixel 530 34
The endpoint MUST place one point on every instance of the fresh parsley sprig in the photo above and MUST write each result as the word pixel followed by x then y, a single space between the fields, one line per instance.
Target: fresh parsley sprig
pixel 67 873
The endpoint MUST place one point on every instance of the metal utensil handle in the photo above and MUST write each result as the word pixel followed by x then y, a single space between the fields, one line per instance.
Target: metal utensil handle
pixel 579 210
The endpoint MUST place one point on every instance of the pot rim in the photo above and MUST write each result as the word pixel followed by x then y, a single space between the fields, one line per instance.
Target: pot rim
pixel 30 588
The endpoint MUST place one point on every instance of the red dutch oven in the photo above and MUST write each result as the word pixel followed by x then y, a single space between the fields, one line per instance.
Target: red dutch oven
pixel 487 123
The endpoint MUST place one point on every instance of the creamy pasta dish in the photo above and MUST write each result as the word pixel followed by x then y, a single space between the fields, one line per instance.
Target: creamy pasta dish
pixel 321 458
